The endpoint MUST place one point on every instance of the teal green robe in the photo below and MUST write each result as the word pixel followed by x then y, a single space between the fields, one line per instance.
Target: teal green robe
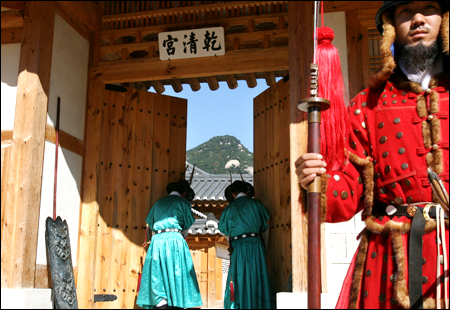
pixel 168 269
pixel 248 268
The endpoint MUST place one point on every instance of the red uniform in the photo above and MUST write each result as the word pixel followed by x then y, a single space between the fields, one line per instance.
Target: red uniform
pixel 397 132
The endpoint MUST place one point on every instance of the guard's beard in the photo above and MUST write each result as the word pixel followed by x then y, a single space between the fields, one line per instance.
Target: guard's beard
pixel 419 57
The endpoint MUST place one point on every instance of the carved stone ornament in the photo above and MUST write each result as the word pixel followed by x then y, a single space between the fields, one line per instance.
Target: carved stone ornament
pixel 60 261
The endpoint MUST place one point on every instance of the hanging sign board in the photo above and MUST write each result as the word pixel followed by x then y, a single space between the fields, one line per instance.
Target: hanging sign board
pixel 191 43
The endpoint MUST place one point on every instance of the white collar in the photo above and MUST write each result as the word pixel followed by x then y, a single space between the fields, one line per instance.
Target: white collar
pixel 240 195
pixel 175 193
pixel 423 77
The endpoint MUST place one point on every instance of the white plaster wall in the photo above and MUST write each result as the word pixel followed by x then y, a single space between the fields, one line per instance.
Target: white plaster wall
pixel 336 21
pixel 10 70
pixel 341 245
pixel 68 80
pixel 67 196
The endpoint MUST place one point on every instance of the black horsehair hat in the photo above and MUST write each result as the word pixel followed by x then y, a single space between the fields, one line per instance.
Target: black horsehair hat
pixel 388 5
pixel 182 186
pixel 241 185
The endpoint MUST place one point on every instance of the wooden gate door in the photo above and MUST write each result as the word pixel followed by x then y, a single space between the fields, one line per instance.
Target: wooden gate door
pixel 272 176
pixel 142 148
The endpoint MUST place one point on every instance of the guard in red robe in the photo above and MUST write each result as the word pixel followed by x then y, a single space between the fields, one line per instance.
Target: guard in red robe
pixel 399 129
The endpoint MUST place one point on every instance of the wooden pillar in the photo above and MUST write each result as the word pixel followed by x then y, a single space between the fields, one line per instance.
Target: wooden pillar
pixel 300 18
pixel 20 225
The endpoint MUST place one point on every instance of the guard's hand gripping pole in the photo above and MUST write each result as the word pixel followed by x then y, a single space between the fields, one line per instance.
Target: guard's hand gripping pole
pixel 313 106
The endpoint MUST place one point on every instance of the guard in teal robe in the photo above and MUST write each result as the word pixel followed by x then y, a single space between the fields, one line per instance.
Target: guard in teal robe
pixel 168 277
pixel 248 268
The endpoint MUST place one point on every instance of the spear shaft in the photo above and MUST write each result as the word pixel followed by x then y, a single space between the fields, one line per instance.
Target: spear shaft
pixel 313 106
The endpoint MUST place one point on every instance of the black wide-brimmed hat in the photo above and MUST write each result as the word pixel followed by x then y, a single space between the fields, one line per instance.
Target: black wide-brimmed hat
pixel 234 185
pixel 388 5
pixel 181 186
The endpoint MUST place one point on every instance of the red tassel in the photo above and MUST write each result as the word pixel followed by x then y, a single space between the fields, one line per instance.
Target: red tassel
pixel 335 121
pixel 231 291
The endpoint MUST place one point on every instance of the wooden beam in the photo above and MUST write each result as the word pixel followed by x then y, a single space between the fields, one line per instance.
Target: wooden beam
pixel 300 57
pixel 158 86
pixel 270 78
pixel 190 9
pixel 176 85
pixel 66 140
pixel 13 5
pixel 270 59
pixel 7 136
pixel 73 20
pixel 20 228
pixel 11 19
pixel 11 35
pixel 336 6
pixel 86 11
pixel 194 83
pixel 213 83
pixel 231 81
pixel 251 79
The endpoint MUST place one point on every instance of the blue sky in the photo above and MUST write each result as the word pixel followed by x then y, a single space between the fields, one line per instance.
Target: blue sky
pixel 221 112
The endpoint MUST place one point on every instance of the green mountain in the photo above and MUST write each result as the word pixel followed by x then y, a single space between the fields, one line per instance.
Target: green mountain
pixel 220 155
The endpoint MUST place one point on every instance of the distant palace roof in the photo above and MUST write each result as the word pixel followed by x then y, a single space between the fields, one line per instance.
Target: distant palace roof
pixel 211 187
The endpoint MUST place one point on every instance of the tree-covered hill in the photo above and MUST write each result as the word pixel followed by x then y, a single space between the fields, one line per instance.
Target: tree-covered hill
pixel 221 155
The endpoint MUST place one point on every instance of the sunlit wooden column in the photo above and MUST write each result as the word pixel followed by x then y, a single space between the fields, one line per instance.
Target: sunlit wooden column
pixel 20 225
pixel 300 57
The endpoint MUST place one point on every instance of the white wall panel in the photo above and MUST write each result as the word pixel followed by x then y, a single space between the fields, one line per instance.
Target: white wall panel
pixel 10 71
pixel 68 79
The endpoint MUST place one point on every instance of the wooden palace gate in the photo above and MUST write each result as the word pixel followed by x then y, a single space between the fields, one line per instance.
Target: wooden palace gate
pixel 142 147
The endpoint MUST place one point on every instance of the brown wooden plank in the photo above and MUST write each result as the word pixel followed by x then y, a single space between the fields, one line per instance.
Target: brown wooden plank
pixel 178 127
pixel 212 295
pixel 121 161
pixel 300 57
pixel 219 279
pixel 123 222
pixel 110 187
pixel 66 140
pixel 25 175
pixel 368 15
pixel 141 190
pixel 285 186
pixel 13 5
pixel 11 19
pixel 89 211
pixel 5 165
pixel 161 147
pixel 336 6
pixel 11 35
pixel 270 59
pixel 104 175
pixel 203 279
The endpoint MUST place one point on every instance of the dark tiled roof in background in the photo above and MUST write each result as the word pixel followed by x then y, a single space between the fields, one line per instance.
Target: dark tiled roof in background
pixel 211 187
